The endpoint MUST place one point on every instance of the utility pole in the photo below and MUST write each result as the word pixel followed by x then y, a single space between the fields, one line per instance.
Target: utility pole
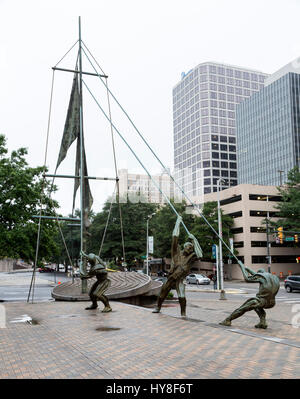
pixel 268 244
pixel 220 235
pixel 147 252
pixel 280 174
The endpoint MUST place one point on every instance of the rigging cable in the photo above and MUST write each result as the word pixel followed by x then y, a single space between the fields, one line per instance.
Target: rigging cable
pixel 67 53
pixel 32 284
pixel 165 169
pixel 107 220
pixel 116 172
pixel 137 158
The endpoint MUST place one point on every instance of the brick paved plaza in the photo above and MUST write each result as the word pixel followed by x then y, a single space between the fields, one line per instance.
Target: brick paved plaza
pixel 66 341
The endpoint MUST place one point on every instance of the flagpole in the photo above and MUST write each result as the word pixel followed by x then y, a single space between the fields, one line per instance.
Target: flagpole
pixel 82 233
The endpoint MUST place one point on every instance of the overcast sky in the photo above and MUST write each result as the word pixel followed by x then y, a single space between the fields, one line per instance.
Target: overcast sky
pixel 143 46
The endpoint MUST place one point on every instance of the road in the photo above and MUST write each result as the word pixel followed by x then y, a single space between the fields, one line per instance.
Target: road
pixel 15 287
pixel 241 290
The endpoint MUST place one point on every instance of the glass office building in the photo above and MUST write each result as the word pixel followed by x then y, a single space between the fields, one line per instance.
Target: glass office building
pixel 268 137
pixel 204 124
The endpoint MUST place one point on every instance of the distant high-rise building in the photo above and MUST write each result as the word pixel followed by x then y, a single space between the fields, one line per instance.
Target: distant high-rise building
pixel 204 123
pixel 139 187
pixel 268 130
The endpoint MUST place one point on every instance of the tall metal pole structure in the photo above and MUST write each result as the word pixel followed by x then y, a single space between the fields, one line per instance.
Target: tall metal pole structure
pixel 268 241
pixel 82 196
pixel 280 174
pixel 221 284
pixel 147 253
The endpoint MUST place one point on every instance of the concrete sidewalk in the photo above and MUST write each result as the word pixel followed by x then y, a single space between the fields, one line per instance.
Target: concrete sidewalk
pixel 62 340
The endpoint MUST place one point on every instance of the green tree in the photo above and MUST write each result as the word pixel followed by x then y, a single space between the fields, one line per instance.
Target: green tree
pixel 21 190
pixel 164 221
pixel 204 233
pixel 289 208
pixel 162 225
pixel 134 218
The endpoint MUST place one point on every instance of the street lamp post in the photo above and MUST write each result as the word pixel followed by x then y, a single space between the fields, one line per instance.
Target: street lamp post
pixel 221 282
pixel 268 244
pixel 147 244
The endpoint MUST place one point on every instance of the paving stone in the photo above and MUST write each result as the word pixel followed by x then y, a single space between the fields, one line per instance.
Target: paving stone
pixel 145 345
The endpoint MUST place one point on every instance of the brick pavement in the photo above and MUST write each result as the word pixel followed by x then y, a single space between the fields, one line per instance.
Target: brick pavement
pixel 130 342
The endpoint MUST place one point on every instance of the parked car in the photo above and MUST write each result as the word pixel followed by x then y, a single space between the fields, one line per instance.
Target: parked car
pixel 76 273
pixel 162 279
pixel 46 269
pixel 197 279
pixel 292 283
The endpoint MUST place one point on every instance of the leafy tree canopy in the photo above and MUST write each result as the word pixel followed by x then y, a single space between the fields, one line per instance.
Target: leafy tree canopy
pixel 134 218
pixel 21 189
pixel 289 208
pixel 204 233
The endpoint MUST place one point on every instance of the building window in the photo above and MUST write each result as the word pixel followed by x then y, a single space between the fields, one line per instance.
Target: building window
pixel 238 244
pixel 236 214
pixel 263 213
pixel 258 244
pixel 236 230
pixel 255 229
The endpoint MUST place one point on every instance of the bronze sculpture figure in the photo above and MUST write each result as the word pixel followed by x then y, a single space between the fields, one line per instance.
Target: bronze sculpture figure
pixel 97 290
pixel 180 268
pixel 265 298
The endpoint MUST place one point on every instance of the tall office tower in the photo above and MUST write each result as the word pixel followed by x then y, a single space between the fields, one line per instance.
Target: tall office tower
pixel 268 129
pixel 204 123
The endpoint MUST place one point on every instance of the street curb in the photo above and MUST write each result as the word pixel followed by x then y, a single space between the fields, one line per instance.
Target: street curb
pixel 231 291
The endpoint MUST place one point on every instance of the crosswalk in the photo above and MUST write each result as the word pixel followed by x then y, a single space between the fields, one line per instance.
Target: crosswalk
pixel 281 299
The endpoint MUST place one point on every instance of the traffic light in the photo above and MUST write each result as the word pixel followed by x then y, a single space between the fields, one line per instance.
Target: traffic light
pixel 296 238
pixel 298 259
pixel 280 234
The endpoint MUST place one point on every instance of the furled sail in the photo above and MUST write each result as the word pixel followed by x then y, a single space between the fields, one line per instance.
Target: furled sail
pixel 70 134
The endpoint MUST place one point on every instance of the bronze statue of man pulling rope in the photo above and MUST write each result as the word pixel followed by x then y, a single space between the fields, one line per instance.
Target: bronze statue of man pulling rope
pixel 180 268
pixel 97 290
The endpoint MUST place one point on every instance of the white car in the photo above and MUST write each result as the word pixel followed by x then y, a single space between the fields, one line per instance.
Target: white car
pixel 76 273
pixel 197 279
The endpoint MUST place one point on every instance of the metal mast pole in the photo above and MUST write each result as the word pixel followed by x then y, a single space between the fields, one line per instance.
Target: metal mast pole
pixel 268 241
pixel 82 205
pixel 147 250
pixel 221 286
